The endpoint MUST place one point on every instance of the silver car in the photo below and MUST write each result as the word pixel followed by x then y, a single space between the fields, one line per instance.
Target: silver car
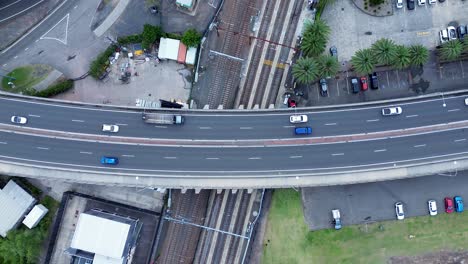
pixel 400 213
pixel 432 205
pixel 389 111
pixel 19 120
pixel 110 128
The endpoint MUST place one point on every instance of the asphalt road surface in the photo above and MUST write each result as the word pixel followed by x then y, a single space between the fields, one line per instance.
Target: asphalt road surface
pixel 229 125
pixel 11 8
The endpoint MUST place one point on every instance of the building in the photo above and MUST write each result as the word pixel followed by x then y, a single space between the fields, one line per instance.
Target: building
pixel 15 203
pixel 35 216
pixel 173 49
pixel 103 238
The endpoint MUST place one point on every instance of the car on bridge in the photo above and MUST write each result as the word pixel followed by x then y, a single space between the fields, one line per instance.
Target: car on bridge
pixel 19 120
pixel 298 119
pixel 303 130
pixel 109 160
pixel 389 111
pixel 110 128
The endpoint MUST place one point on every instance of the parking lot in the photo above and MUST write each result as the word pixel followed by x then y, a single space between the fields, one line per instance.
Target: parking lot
pixel 371 202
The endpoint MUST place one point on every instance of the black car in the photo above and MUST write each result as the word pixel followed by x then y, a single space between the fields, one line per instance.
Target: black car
pixel 323 87
pixel 374 82
pixel 410 4
pixel 461 31
pixel 334 52
pixel 355 85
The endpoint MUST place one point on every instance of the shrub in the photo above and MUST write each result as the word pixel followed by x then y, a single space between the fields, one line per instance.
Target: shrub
pixel 376 2
pixel 137 38
pixel 150 35
pixel 191 38
pixel 98 66
pixel 56 89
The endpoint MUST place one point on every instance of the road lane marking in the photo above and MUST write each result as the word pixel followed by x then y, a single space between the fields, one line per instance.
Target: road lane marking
pixel 459 140
pixel 380 150
pixel 128 156
pixel 372 120
pixel 453 110
pixel 295 157
pixel 212 158
pixel 3 143
pixel 419 146
pixel 34 115
pixel 330 124
pixel 86 152
pixel 42 148
pixel 337 154
pixel 1 8
pixel 409 116
pixel 118 124
pixel 204 127
pixel 22 11
pixel 245 127
pixel 76 120
pixel 170 157
pixel 161 126
pixel 288 126
pixel 255 158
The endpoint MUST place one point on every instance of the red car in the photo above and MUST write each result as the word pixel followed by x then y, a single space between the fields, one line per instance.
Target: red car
pixel 448 205
pixel 364 85
pixel 291 102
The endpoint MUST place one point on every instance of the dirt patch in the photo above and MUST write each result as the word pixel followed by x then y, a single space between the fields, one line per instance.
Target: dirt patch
pixel 445 257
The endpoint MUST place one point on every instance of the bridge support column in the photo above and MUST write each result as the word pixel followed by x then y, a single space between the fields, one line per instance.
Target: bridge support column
pixel 220 107
pixel 241 107
pixel 234 191
pixel 256 106
pixel 183 191
pixel 271 106
pixel 219 191
pixel 206 107
pixel 197 190
pixel 249 191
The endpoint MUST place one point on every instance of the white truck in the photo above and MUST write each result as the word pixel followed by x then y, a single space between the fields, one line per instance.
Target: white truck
pixel 163 119
pixel 336 219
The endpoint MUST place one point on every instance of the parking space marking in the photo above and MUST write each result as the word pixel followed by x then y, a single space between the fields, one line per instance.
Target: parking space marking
pixel 380 150
pixel 330 124
pixel 388 80
pixel 347 81
pixel 372 120
pixel 462 70
pixel 295 157
pixel 409 116
pixel 453 110
pixel 338 88
pixel 398 79
pixel 459 140
pixel 419 146
pixel 337 154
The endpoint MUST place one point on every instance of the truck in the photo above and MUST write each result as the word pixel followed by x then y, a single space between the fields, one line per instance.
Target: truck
pixel 163 119
pixel 336 219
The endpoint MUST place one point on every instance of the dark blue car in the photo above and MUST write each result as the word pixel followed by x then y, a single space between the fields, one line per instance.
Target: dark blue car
pixel 458 204
pixel 109 160
pixel 303 130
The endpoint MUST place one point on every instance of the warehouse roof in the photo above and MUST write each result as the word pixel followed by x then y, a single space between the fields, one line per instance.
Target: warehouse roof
pixel 14 204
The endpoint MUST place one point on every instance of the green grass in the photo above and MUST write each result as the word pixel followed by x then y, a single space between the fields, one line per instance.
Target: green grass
pixel 288 240
pixel 26 78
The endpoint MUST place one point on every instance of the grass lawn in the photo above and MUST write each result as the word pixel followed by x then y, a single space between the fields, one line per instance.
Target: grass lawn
pixel 26 77
pixel 288 240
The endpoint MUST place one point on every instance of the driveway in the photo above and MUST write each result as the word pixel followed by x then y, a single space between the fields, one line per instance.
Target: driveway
pixel 370 202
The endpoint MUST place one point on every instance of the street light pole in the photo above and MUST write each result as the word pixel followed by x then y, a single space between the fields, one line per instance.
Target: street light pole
pixel 443 100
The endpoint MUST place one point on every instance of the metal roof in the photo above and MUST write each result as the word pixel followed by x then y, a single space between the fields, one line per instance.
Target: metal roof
pixel 36 214
pixel 14 204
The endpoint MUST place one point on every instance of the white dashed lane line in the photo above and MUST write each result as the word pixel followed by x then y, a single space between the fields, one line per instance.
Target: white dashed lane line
pixel 42 148
pixel 86 152
pixel 170 157
pixel 380 150
pixel 245 127
pixel 460 140
pixel 255 158
pixel 76 120
pixel 34 115
pixel 3 143
pixel 204 127
pixel 419 146
pixel 128 156
pixel 295 157
pixel 453 110
pixel 410 116
pixel 372 120
pixel 330 124
pixel 212 158
pixel 337 154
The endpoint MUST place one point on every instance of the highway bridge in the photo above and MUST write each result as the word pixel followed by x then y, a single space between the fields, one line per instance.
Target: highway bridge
pixel 234 148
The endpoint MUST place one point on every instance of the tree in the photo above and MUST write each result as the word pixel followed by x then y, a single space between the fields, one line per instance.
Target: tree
pixel 384 51
pixel 305 70
pixel 150 35
pixel 315 38
pixel 376 2
pixel 451 50
pixel 419 55
pixel 327 66
pixel 191 38
pixel 363 62
pixel 402 59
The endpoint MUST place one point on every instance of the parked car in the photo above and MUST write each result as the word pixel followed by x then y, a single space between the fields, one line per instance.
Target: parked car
pixel 336 219
pixel 291 102
pixel 448 205
pixel 374 80
pixel 355 85
pixel 389 111
pixel 286 98
pixel 410 4
pixel 19 120
pixel 461 29
pixel 458 204
pixel 421 2
pixel 441 1
pixel 452 33
pixel 334 52
pixel 443 35
pixel 298 119
pixel 466 101
pixel 323 87
pixel 399 4
pixel 432 205
pixel 400 213
pixel 364 85
pixel 303 130
pixel 431 2
pixel 109 160
pixel 110 128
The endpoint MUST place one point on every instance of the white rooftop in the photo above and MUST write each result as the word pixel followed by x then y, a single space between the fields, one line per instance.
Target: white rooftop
pixel 36 214
pixel 186 3
pixel 14 204
pixel 190 57
pixel 168 48
pixel 100 236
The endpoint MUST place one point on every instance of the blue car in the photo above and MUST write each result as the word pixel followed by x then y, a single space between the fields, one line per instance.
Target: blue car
pixel 109 160
pixel 303 130
pixel 458 204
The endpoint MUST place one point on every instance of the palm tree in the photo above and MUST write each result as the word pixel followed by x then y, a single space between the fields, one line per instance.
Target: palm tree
pixel 419 55
pixel 305 70
pixel 363 61
pixel 327 66
pixel 384 51
pixel 451 50
pixel 402 59
pixel 315 38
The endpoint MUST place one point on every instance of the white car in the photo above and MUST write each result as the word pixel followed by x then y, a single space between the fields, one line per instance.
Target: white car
pixel 399 4
pixel 466 101
pixel 452 33
pixel 432 2
pixel 443 35
pixel 19 120
pixel 389 111
pixel 421 2
pixel 432 205
pixel 298 119
pixel 400 214
pixel 110 128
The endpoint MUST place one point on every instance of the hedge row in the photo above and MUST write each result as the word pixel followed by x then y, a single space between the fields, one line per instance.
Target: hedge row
pixel 55 89
pixel 99 65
